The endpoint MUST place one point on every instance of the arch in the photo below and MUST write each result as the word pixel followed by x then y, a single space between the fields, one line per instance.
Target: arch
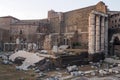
pixel 115 44
pixel 115 37
pixel 116 41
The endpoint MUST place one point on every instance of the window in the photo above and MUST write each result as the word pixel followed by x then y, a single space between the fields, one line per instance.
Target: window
pixel 111 16
pixel 112 21
pixel 21 32
pixel 118 25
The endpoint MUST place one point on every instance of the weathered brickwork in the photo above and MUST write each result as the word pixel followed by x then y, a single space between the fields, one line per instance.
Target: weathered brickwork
pixel 77 20
pixel 60 25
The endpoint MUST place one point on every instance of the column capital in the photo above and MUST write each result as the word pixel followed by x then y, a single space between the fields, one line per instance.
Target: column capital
pixel 99 13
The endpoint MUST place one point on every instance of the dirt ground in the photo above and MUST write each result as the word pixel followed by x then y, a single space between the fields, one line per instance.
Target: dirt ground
pixel 8 72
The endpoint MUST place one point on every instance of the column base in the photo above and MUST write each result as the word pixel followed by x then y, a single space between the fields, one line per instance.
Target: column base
pixel 96 57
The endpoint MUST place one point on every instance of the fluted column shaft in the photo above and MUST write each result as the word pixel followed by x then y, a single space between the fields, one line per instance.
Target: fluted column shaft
pixel 103 34
pixel 91 47
pixel 98 33
pixel 106 36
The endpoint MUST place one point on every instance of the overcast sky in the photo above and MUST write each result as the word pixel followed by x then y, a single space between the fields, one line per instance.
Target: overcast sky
pixel 37 9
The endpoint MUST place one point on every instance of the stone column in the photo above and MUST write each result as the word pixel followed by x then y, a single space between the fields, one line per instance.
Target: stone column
pixel 97 33
pixel 102 34
pixel 106 36
pixel 65 41
pixel 91 45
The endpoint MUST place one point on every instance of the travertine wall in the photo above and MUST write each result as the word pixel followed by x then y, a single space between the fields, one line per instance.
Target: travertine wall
pixel 6 21
pixel 77 20
pixel 101 7
pixel 56 21
pixel 15 27
pixel 64 24
pixel 27 31
pixel 5 26
pixel 4 35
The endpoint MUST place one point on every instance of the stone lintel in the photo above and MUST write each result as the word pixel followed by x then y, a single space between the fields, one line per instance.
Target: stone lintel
pixel 99 13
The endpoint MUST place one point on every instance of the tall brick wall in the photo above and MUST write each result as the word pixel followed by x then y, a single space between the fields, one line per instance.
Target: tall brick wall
pixel 56 21
pixel 75 20
pixel 4 35
pixel 78 20
pixel 67 22
pixel 101 7
pixel 5 22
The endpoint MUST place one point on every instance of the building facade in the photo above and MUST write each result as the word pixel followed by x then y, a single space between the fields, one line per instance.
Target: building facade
pixel 86 28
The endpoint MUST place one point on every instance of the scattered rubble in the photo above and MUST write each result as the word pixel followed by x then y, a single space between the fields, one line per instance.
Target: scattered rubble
pixel 72 68
pixel 41 64
pixel 44 51
pixel 60 49
pixel 63 47
pixel 111 60
pixel 30 59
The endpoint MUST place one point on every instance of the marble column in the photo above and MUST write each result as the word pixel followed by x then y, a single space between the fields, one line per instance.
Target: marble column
pixel 102 34
pixel 106 36
pixel 98 33
pixel 65 41
pixel 91 45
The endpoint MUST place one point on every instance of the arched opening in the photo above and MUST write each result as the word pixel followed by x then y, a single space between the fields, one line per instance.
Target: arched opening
pixel 116 41
pixel 115 46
